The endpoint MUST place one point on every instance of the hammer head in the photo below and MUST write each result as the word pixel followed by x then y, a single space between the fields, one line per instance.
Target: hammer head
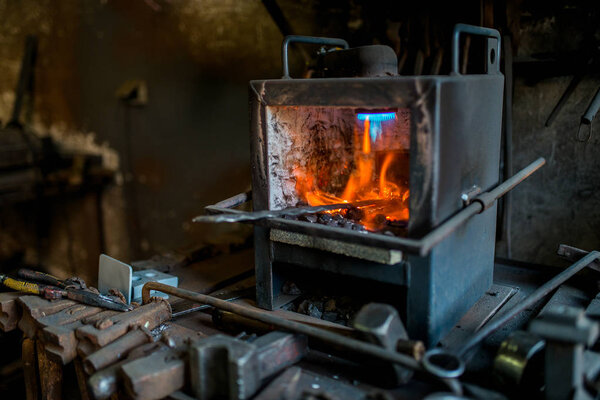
pixel 380 324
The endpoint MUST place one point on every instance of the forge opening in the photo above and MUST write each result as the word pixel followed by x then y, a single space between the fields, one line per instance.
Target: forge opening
pixel 332 155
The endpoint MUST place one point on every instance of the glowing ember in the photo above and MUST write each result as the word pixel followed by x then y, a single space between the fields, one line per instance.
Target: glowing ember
pixel 368 180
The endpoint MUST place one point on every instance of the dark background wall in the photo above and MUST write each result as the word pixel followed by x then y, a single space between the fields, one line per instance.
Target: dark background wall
pixel 187 145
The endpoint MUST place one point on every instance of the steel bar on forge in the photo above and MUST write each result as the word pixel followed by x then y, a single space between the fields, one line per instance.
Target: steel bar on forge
pixel 230 202
pixel 282 323
pixel 265 214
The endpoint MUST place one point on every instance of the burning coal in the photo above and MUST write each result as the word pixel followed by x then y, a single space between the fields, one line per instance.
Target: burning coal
pixel 369 179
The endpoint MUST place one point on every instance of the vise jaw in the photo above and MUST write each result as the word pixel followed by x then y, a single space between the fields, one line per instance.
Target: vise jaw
pixel 223 367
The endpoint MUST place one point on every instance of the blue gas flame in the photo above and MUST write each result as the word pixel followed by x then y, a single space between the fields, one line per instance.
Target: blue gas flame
pixel 376 119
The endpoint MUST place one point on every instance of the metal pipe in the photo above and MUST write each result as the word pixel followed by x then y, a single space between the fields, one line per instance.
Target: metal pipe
pixel 230 202
pixel 287 325
pixel 309 40
pixel 588 117
pixel 592 109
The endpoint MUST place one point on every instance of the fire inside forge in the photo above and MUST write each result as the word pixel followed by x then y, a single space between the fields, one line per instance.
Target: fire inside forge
pixel 326 155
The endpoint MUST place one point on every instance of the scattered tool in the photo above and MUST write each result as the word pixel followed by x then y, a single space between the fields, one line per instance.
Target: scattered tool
pixel 446 364
pixel 51 292
pixel 47 291
pixel 567 332
pixel 228 368
pixel 335 339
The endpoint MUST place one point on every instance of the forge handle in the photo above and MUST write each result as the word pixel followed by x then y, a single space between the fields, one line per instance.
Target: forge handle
pixel 309 40
pixel 493 54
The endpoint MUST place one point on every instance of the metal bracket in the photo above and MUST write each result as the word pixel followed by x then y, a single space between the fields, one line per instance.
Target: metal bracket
pixel 493 52
pixel 309 40
pixel 468 196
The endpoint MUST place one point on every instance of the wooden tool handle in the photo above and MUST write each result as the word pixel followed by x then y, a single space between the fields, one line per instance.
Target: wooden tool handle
pixel 37 276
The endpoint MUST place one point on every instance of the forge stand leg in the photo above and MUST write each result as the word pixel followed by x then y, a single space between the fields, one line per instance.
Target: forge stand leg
pixel 450 279
pixel 264 269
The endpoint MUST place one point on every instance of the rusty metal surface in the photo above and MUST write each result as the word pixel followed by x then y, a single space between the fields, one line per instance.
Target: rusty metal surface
pixel 67 315
pixel 10 313
pixel 35 307
pixel 60 341
pixel 51 375
pixel 226 367
pixel 175 336
pixel 210 374
pixel 104 383
pixel 154 376
pixel 149 316
pixel 116 350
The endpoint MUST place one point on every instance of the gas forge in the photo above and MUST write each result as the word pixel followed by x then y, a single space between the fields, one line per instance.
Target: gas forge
pixel 408 165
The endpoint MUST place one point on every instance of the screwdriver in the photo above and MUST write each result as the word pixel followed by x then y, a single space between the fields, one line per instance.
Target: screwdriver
pixel 48 292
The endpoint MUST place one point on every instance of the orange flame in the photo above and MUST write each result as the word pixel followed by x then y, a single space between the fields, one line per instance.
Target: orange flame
pixel 366 182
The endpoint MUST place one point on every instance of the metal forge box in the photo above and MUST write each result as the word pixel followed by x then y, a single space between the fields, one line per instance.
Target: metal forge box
pixel 417 147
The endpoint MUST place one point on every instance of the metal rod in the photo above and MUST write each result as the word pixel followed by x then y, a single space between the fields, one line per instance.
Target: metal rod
pixel 528 302
pixel 287 325
pixel 25 78
pixel 232 201
pixel 517 178
pixel 592 109
pixel 479 204
pixel 563 99
pixel 588 117
pixel 265 214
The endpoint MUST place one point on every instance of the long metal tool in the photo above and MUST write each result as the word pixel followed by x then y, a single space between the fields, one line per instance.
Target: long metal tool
pixel 436 360
pixel 292 212
pixel 287 325
pixel 223 295
pixel 52 292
